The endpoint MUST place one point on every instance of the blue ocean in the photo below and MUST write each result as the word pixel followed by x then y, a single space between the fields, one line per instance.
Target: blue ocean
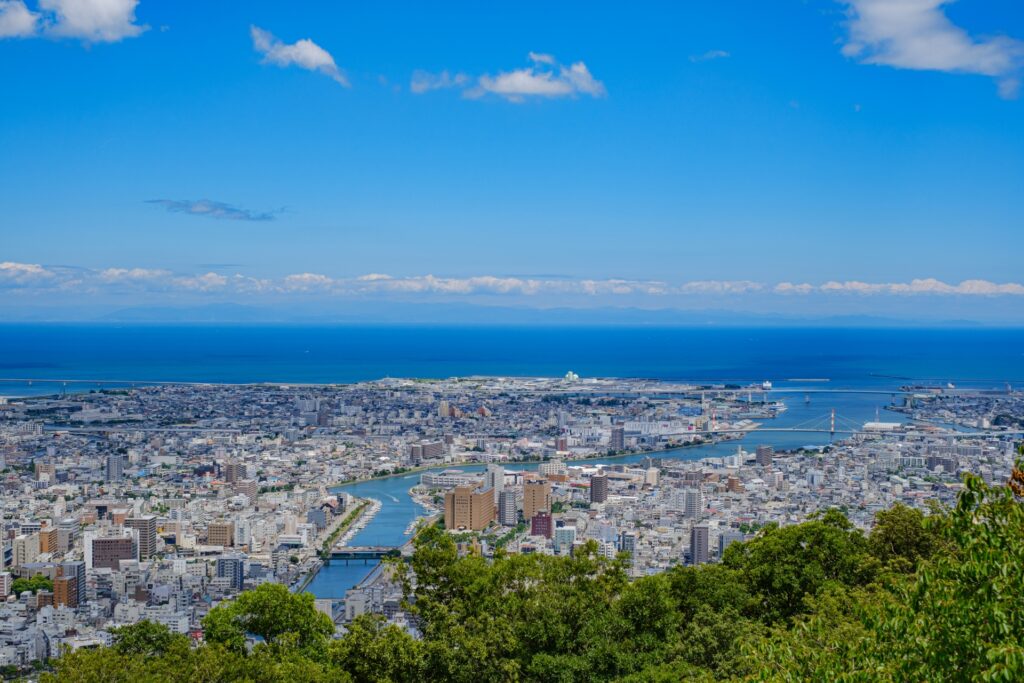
pixel 881 357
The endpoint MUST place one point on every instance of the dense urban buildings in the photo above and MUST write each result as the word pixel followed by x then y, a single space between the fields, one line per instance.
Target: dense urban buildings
pixel 159 502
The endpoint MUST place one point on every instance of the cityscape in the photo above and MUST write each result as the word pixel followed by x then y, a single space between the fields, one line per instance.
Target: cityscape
pixel 156 503
pixel 524 342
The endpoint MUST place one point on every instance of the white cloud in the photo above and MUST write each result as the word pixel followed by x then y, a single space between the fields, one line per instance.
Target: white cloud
pixel 791 288
pixel 709 56
pixel 304 54
pixel 203 283
pixel 94 21
pixel 16 20
pixel 925 286
pixel 917 34
pixel 305 282
pixel 720 287
pixel 13 273
pixel 424 81
pixel 32 277
pixel 543 78
pixel 132 274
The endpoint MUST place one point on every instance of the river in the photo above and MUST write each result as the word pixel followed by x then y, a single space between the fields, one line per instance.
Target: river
pixel 398 510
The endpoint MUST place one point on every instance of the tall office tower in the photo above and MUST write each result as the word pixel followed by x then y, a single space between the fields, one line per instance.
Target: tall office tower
pixel 103 552
pixel 49 540
pixel 25 549
pixel 65 591
pixel 443 409
pixel 541 524
pixel 536 498
pixel 468 508
pixel 494 479
pixel 232 567
pixel 220 533
pixel 627 542
pixel 599 488
pixel 508 512
pixel 115 468
pixel 233 472
pixel 693 502
pixel 765 455
pixel 146 526
pixel 76 570
pixel 618 440
pixel 699 545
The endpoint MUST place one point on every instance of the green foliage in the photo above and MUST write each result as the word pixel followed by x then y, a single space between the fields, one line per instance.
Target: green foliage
pixel 33 584
pixel 901 537
pixel 272 613
pixel 784 565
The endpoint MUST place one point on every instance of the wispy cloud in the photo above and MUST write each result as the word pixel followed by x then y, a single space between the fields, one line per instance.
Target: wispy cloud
pixel 424 81
pixel 304 54
pixel 709 56
pixel 213 209
pixel 92 21
pixel 543 78
pixel 924 286
pixel 28 277
pixel 917 34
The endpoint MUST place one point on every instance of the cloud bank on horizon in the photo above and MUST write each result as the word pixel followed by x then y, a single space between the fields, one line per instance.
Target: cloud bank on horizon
pixel 34 278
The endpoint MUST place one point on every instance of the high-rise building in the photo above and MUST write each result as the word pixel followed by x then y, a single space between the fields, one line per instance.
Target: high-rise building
pixel 146 526
pixel 76 570
pixel 764 455
pixel 693 502
pixel 494 478
pixel 25 549
pixel 220 533
pixel 618 440
pixel 6 581
pixel 699 545
pixel 248 488
pixel 508 511
pixel 65 591
pixel 49 540
pixel 443 409
pixel 107 552
pixel 599 488
pixel 115 468
pixel 541 524
pixel 536 498
pixel 564 538
pixel 232 567
pixel 468 508
pixel 233 472
pixel 627 542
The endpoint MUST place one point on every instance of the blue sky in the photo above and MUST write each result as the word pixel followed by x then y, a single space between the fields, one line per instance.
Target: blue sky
pixel 817 156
